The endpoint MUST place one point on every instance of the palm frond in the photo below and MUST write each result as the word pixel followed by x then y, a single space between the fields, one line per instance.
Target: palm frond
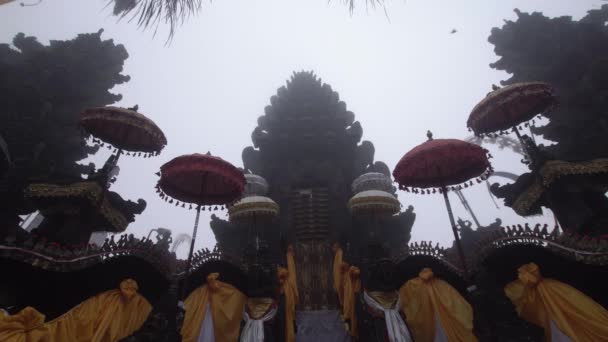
pixel 175 12
pixel 154 12
pixel 368 3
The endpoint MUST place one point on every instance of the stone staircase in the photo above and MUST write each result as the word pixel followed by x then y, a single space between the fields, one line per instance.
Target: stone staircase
pixel 320 326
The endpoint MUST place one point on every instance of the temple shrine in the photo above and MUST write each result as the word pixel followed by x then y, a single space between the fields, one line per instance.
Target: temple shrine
pixel 316 245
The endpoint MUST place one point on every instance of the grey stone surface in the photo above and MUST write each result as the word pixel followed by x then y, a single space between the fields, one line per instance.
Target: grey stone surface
pixel 320 326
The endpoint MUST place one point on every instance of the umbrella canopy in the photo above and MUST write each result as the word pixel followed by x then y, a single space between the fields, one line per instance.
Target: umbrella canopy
pixel 200 179
pixel 255 185
pixel 374 202
pixel 372 181
pixel 507 107
pixel 441 163
pixel 254 207
pixel 125 129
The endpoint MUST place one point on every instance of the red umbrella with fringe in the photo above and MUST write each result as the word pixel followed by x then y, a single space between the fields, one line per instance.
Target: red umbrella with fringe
pixel 505 108
pixel 124 129
pixel 203 180
pixel 441 165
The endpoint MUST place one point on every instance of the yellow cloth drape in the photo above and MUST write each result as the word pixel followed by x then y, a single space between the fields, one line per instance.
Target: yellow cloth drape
pixel 541 301
pixel 256 308
pixel 426 296
pixel 346 284
pixel 289 287
pixel 290 309
pixel 292 278
pixel 338 274
pixel 227 304
pixel 352 286
pixel 106 317
pixel 18 327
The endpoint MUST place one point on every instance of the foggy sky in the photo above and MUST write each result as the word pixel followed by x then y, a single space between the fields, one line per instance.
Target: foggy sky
pixel 400 75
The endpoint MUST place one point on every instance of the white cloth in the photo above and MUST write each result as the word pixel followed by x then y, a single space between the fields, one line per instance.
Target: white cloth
pixel 395 326
pixel 206 333
pixel 254 328
pixel 557 335
pixel 439 333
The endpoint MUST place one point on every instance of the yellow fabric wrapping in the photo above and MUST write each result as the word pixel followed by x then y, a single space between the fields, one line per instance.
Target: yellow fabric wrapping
pixel 541 301
pixel 292 278
pixel 227 304
pixel 256 308
pixel 17 327
pixel 337 273
pixel 290 309
pixel 107 317
pixel 344 280
pixel 426 295
pixel 289 287
pixel 352 286
pixel 195 305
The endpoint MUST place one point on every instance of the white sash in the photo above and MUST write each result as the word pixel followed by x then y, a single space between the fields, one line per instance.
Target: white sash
pixel 397 330
pixel 254 328
pixel 206 333
pixel 439 333
pixel 557 335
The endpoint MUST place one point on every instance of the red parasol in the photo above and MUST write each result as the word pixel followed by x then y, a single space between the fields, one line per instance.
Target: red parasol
pixel 125 129
pixel 507 107
pixel 443 165
pixel 200 179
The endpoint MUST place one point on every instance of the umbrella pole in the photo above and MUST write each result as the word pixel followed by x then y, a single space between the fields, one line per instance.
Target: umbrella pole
pixel 521 141
pixel 257 239
pixel 198 215
pixel 117 156
pixel 189 264
pixel 527 153
pixel 455 231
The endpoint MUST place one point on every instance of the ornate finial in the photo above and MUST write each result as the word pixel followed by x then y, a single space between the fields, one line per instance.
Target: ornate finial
pixel 429 135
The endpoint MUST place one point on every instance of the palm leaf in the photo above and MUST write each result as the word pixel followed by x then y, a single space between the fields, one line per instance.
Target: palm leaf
pixel 174 12
pixel 154 12
pixel 368 3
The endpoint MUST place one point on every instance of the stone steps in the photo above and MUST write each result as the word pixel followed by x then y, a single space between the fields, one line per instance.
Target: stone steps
pixel 320 326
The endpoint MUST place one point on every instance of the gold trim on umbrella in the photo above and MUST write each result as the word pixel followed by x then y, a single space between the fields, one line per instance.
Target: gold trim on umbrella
pixel 374 201
pixel 506 95
pixel 126 117
pixel 256 206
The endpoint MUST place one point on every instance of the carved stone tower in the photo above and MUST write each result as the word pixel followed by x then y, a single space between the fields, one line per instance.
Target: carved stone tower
pixel 308 147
